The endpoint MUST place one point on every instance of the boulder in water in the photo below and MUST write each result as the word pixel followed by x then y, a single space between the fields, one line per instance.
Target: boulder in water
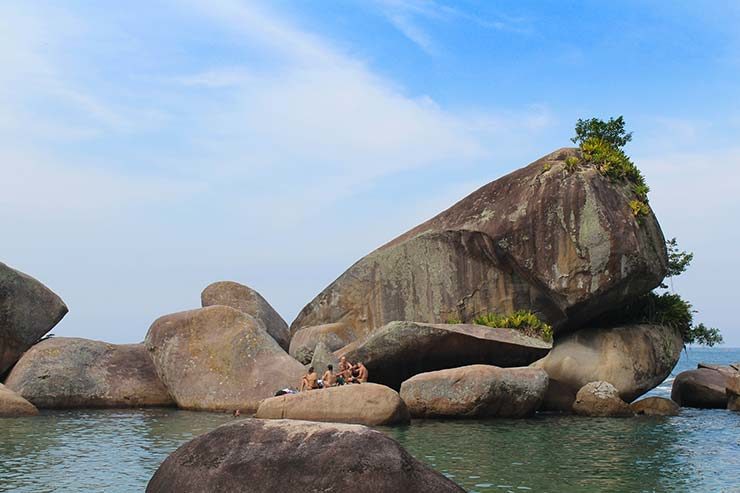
pixel 733 392
pixel 600 399
pixel 702 388
pixel 655 406
pixel 12 405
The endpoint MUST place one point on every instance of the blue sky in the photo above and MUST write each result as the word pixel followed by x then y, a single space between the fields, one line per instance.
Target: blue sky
pixel 150 148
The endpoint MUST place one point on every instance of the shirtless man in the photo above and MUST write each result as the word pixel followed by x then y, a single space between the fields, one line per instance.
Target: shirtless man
pixel 345 371
pixel 362 373
pixel 310 380
pixel 329 379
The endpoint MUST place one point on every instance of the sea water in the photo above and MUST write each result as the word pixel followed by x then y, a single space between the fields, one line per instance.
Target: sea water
pixel 697 451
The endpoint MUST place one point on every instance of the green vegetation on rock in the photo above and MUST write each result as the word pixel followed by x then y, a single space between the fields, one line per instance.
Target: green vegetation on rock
pixel 522 320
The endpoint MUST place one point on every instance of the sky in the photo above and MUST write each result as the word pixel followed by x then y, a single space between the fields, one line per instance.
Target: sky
pixel 149 148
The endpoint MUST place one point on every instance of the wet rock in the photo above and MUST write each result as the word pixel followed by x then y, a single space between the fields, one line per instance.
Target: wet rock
pixel 283 455
pixel 600 399
pixel 333 336
pixel 219 358
pixel 367 404
pixel 68 372
pixel 476 391
pixel 249 301
pixel 655 406
pixel 28 310
pixel 702 388
pixel 12 405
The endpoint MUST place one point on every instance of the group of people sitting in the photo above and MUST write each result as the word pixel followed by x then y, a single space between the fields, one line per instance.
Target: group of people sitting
pixel 346 373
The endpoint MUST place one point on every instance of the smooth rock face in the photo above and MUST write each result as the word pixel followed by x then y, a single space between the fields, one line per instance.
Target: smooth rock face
pixel 68 372
pixel 12 405
pixel 562 244
pixel 284 456
pixel 600 399
pixel 655 406
pixel 401 350
pixel 366 404
pixel 219 358
pixel 28 310
pixel 733 393
pixel 252 303
pixel 476 391
pixel 702 388
pixel 633 358
pixel 333 336
pixel 322 358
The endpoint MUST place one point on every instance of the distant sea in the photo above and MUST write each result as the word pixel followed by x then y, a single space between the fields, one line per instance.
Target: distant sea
pixel 697 451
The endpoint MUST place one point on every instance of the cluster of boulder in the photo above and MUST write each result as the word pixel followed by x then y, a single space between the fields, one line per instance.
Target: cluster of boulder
pixel 708 387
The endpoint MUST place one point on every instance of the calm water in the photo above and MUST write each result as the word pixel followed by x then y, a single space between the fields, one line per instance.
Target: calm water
pixel 118 451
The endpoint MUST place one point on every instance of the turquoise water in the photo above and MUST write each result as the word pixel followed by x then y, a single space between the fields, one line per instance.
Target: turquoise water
pixel 118 451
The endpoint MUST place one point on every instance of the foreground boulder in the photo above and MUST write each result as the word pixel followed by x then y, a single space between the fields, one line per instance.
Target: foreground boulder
pixel 333 336
pixel 401 350
pixel 219 358
pixel 733 393
pixel 655 406
pixel 633 358
pixel 12 405
pixel 68 372
pixel 275 456
pixel 476 391
pixel 486 254
pixel 702 388
pixel 249 301
pixel 600 399
pixel 28 310
pixel 366 404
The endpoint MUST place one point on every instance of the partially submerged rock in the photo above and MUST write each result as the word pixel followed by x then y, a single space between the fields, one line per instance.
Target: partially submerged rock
pixel 702 388
pixel 600 399
pixel 333 336
pixel 28 310
pixel 476 391
pixel 401 350
pixel 13 405
pixel 655 406
pixel 564 244
pixel 219 358
pixel 69 372
pixel 280 456
pixel 367 404
pixel 249 301
pixel 633 358
pixel 733 392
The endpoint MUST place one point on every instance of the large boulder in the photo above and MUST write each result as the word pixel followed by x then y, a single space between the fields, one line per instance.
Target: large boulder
pixel 400 350
pixel 633 358
pixel 655 406
pixel 12 405
pixel 68 372
pixel 476 391
pixel 600 399
pixel 702 388
pixel 333 336
pixel 219 358
pixel 28 310
pixel 275 456
pixel 322 358
pixel 733 392
pixel 564 244
pixel 365 404
pixel 249 301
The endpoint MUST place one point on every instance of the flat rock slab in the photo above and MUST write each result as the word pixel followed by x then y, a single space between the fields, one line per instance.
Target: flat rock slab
pixel 476 391
pixel 401 350
pixel 701 388
pixel 13 405
pixel 601 399
pixel 69 372
pixel 263 456
pixel 367 403
pixel 655 406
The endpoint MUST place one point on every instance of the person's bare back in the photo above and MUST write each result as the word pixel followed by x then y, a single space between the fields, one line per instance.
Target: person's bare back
pixel 329 378
pixel 310 381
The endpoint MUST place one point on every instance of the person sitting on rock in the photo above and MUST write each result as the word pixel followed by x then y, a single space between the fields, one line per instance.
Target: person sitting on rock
pixel 329 379
pixel 362 373
pixel 345 371
pixel 310 380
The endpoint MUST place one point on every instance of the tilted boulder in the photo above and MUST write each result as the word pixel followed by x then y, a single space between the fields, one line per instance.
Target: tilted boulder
pixel 263 456
pixel 69 372
pixel 655 406
pixel 365 404
pixel 249 301
pixel 564 244
pixel 400 350
pixel 322 358
pixel 28 310
pixel 600 399
pixel 704 387
pixel 333 336
pixel 12 405
pixel 219 358
pixel 476 391
pixel 633 358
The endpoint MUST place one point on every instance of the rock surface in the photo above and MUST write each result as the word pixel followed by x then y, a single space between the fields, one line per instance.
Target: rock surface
pixel 281 456
pixel 28 310
pixel 322 358
pixel 219 358
pixel 12 405
pixel 702 388
pixel 476 391
pixel 68 372
pixel 366 404
pixel 401 350
pixel 600 399
pixel 633 358
pixel 733 392
pixel 333 336
pixel 249 301
pixel 565 245
pixel 655 406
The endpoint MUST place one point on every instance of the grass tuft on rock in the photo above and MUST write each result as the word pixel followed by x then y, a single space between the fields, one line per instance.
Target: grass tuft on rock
pixel 525 321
